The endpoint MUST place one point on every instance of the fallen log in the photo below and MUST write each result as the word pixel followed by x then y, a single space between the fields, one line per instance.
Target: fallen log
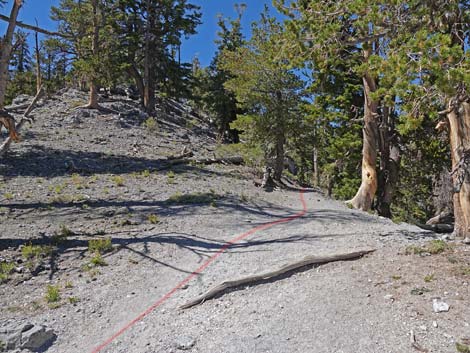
pixel 6 145
pixel 237 160
pixel 437 228
pixel 270 275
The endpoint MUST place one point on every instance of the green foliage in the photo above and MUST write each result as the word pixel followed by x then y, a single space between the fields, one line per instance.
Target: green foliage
pixel 437 246
pixel 462 348
pixel 269 92
pixel 253 155
pixel 52 294
pixel 30 252
pixel 429 278
pixel 118 180
pixel 97 260
pixel 153 219
pixel 151 124
pixel 100 246
pixel 5 270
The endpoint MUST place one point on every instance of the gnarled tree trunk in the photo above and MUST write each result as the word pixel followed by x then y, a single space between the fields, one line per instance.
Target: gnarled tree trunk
pixel 459 131
pixel 366 193
pixel 389 163
pixel 6 46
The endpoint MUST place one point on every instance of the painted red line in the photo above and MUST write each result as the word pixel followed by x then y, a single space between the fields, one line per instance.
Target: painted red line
pixel 202 268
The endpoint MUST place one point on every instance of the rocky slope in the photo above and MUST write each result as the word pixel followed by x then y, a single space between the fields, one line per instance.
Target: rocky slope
pixel 80 175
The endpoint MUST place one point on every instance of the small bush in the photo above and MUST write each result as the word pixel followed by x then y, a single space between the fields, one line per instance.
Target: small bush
pixel 97 260
pixel 5 270
pixel 30 251
pixel 118 180
pixel 153 218
pixel 8 195
pixel 429 278
pixel 62 235
pixel 462 348
pixel 151 124
pixel 73 300
pixel 437 246
pixel 100 246
pixel 145 173
pixel 52 294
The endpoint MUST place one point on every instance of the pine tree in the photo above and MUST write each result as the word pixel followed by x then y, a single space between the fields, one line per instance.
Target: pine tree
pixel 221 102
pixel 89 39
pixel 150 34
pixel 268 91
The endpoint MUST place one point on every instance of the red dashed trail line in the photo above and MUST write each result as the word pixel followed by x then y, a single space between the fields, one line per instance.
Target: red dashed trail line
pixel 200 269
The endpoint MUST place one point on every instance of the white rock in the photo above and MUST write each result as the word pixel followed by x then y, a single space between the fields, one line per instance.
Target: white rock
pixel 439 306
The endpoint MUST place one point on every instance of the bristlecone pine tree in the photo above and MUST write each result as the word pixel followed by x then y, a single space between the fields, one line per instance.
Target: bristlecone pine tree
pixel 267 89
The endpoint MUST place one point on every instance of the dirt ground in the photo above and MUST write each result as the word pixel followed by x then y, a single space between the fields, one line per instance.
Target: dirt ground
pixel 80 175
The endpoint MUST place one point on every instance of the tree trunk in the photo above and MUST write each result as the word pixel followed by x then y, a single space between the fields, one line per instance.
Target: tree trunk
pixel 134 74
pixel 389 163
pixel 38 64
pixel 316 171
pixel 149 82
pixel 93 100
pixel 459 131
pixel 366 193
pixel 279 160
pixel 6 46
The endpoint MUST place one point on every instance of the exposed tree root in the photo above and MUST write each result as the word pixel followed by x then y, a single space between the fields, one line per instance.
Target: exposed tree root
pixel 270 275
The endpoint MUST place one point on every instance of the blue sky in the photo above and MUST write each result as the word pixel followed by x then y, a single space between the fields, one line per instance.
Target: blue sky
pixel 200 45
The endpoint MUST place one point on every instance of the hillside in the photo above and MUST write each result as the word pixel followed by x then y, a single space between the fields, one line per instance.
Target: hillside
pixel 79 175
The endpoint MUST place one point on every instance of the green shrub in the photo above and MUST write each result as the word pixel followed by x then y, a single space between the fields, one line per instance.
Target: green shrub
pixel 100 246
pixel 153 218
pixel 151 124
pixel 5 270
pixel 30 251
pixel 52 294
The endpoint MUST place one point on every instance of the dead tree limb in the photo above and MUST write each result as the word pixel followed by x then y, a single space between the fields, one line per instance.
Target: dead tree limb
pixel 237 160
pixel 6 145
pixel 253 279
pixel 33 28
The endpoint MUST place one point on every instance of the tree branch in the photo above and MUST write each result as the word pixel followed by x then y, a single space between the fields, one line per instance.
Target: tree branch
pixel 33 28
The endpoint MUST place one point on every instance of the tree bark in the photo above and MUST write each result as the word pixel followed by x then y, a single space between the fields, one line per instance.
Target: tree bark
pixel 279 159
pixel 134 73
pixel 366 193
pixel 459 132
pixel 6 45
pixel 93 99
pixel 389 163
pixel 149 81
pixel 38 64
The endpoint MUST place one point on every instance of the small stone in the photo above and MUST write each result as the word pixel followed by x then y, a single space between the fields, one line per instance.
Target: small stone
pixel 423 328
pixel 389 297
pixel 434 324
pixel 185 343
pixel 439 306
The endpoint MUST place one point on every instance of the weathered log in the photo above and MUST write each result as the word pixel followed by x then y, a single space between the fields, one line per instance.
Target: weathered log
pixel 237 160
pixel 182 155
pixel 437 228
pixel 6 145
pixel 270 275
pixel 443 217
